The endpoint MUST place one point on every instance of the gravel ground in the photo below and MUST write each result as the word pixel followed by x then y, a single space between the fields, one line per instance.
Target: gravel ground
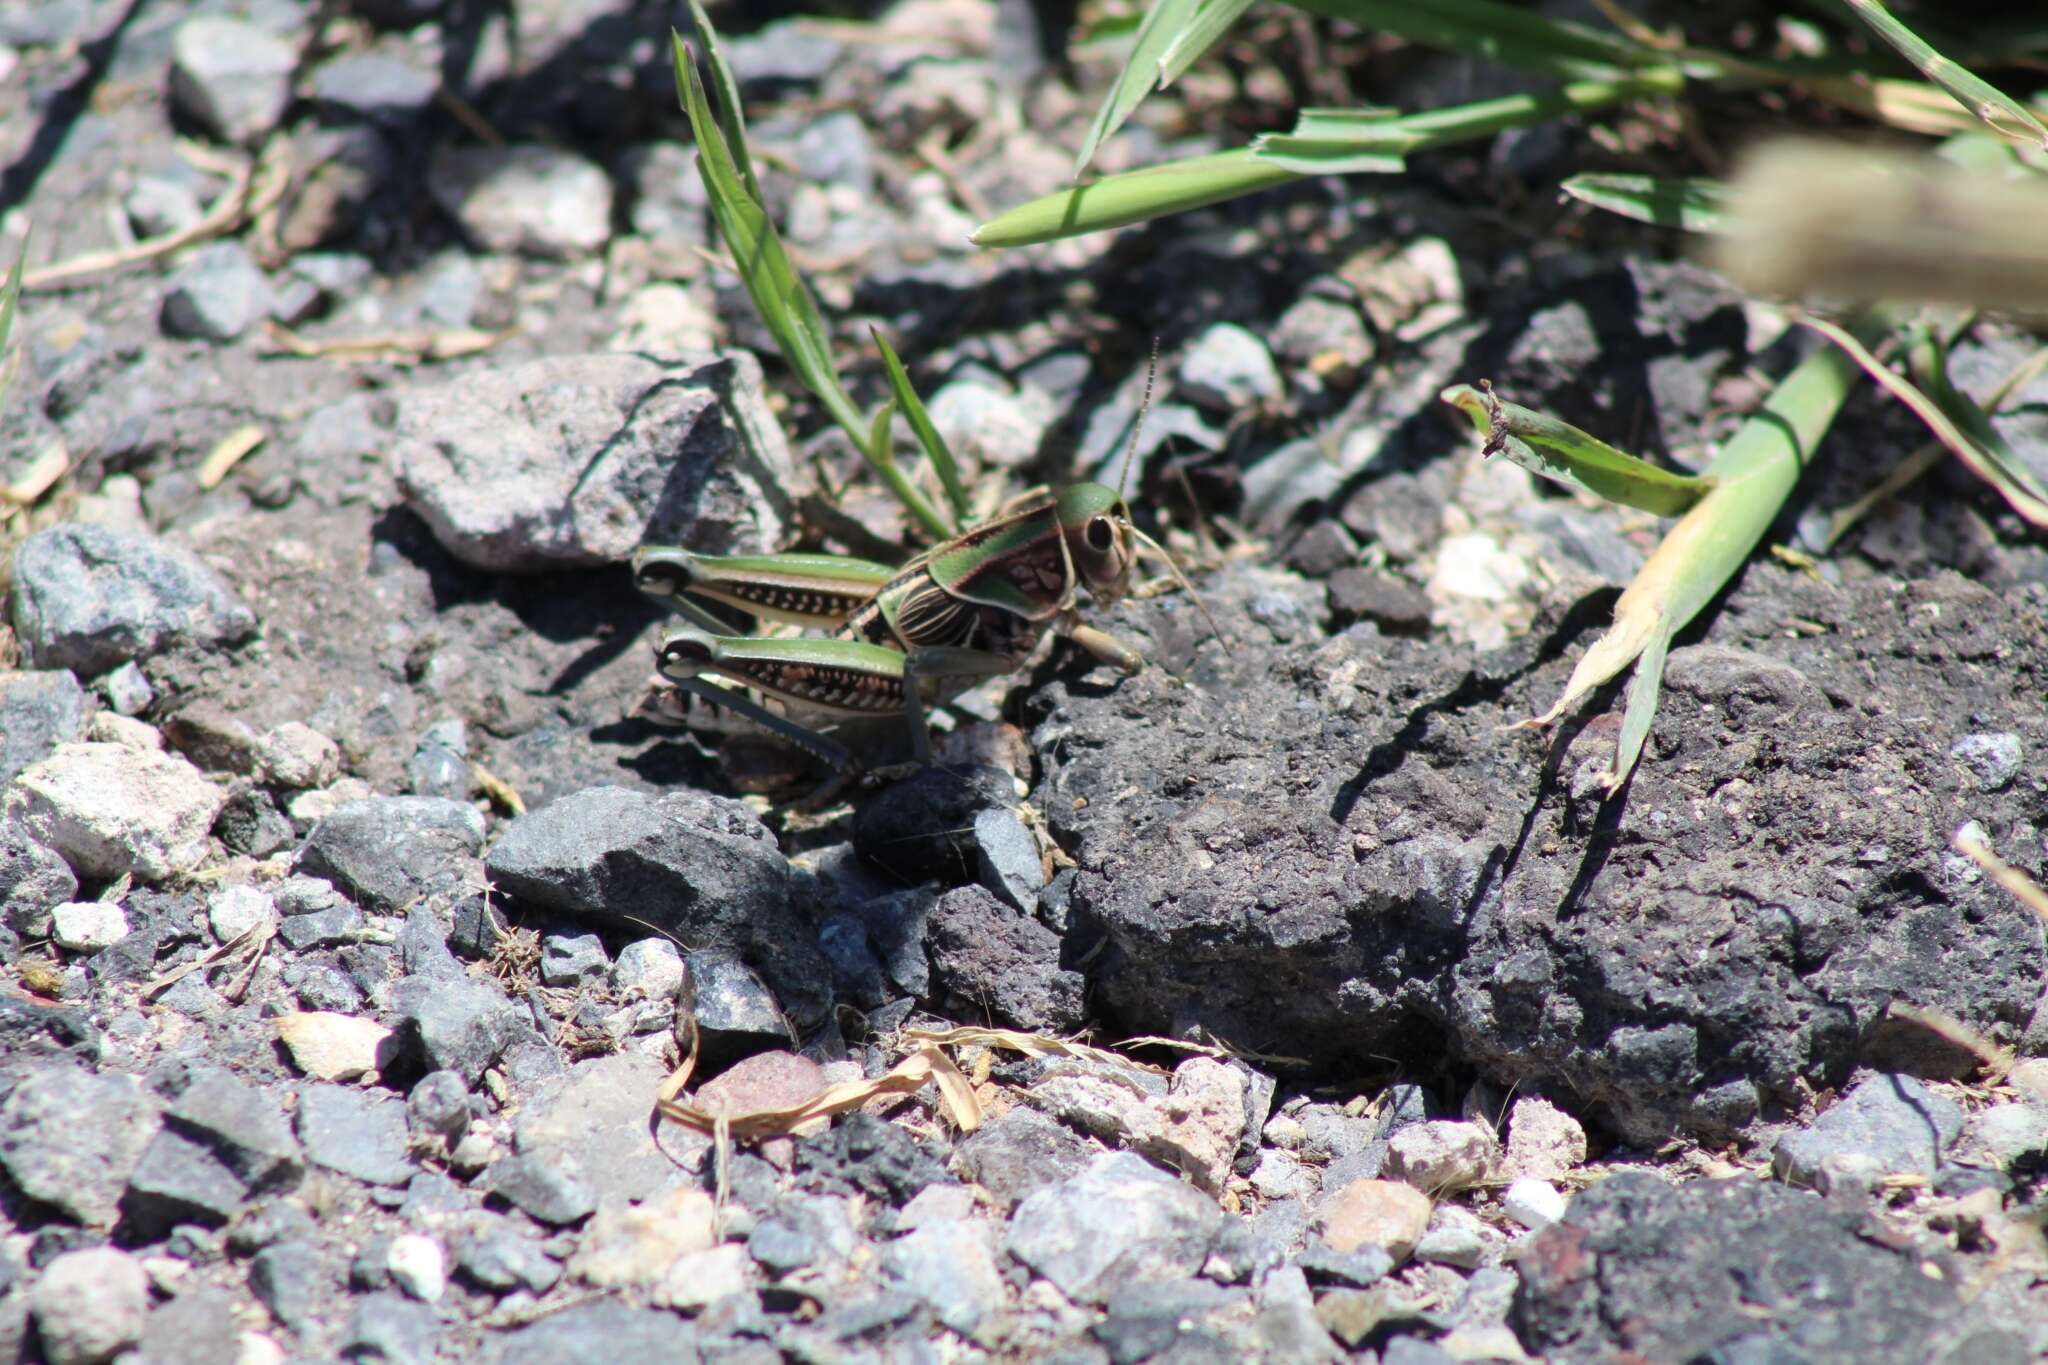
pixel 353 909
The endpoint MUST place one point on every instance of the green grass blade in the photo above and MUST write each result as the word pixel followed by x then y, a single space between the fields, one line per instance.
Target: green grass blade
pixel 778 292
pixel 785 305
pixel 1752 476
pixel 1695 204
pixel 1344 141
pixel 1118 200
pixel 1955 420
pixel 1503 33
pixel 1999 111
pixel 1563 454
pixel 1339 142
pixel 727 91
pixel 1214 19
pixel 10 296
pixel 1164 23
pixel 935 448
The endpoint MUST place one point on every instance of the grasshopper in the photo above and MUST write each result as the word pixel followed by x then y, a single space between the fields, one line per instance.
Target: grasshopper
pixel 903 639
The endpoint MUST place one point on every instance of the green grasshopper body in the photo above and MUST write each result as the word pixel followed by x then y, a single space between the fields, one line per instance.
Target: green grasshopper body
pixel 971 608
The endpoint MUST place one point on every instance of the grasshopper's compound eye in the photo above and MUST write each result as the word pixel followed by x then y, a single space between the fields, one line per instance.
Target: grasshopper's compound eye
pixel 684 654
pixel 659 579
pixel 1101 534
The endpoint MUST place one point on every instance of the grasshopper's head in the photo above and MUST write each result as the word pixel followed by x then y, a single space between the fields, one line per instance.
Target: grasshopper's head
pixel 1100 539
pixel 661 571
pixel 682 653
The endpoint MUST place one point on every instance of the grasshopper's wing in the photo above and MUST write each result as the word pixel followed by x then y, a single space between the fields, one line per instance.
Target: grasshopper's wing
pixel 1017 565
pixel 820 591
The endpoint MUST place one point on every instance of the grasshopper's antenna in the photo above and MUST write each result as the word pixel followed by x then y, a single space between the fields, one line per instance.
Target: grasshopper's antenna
pixel 1144 407
pixel 1178 577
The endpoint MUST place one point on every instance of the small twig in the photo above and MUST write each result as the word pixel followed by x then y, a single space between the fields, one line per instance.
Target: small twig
pixel 247 194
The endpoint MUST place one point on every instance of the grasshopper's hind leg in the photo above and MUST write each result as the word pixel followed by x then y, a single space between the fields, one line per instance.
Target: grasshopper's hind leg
pixel 942 662
pixel 685 654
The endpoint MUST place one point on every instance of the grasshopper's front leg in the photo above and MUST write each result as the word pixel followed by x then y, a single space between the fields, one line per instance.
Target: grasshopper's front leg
pixel 819 591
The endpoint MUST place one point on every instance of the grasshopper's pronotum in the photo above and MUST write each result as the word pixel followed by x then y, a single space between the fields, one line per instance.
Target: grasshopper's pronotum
pixel 902 639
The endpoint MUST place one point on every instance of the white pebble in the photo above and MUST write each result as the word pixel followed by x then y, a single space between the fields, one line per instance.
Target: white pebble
pixel 1533 1203
pixel 88 926
pixel 415 1264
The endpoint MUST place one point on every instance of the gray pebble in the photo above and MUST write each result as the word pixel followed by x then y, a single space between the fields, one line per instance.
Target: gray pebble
pixel 1994 759
pixel 1887 1125
pixel 528 198
pixel 230 77
pixel 572 960
pixel 90 598
pixel 217 294
pixel 1120 1219
pixel 1007 859
pixel 541 1189
pixel 356 1133
pixel 89 1305
pixel 389 852
pixel 38 711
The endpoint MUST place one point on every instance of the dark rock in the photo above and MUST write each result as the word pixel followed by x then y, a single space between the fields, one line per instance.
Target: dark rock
pixel 870 1155
pixel 42 1121
pixel 214 739
pixel 438 1105
pixel 856 974
pixel 951 1268
pixel 896 930
pixel 1021 1152
pixel 89 598
pixel 322 929
pixel 769 61
pixel 922 828
pixel 1120 1220
pixel 1886 1126
pixel 600 1334
pixel 462 1024
pixel 391 851
pixel 34 880
pixel 1730 1270
pixel 737 1016
pixel 1147 1320
pixel 988 959
pixel 539 1186
pixel 1359 594
pixel 292 1280
pixel 251 824
pixel 355 1132
pixel 699 867
pixel 38 711
pixel 1321 550
pixel 31 1028
pixel 1380 796
pixel 423 947
pixel 1362 1268
pixel 573 960
pixel 391 1327
pixel 217 294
